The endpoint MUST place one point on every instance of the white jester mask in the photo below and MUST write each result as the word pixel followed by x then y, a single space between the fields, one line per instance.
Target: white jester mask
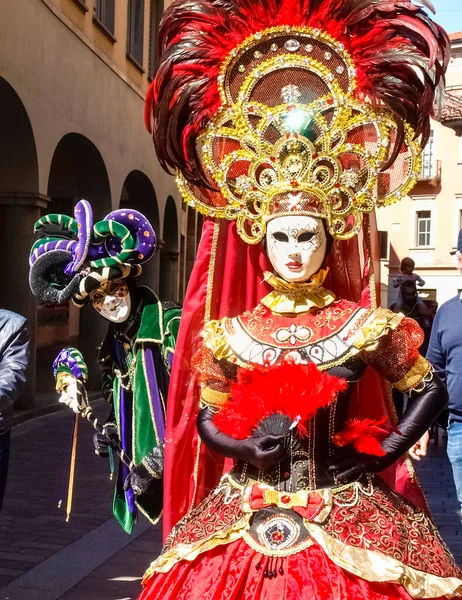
pixel 66 386
pixel 296 246
pixel 112 301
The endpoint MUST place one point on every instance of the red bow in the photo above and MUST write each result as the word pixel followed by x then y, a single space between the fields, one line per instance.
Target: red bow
pixel 307 504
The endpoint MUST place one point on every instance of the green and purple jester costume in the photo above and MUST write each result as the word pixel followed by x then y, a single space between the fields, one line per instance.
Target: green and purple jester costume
pixel 76 257
pixel 136 363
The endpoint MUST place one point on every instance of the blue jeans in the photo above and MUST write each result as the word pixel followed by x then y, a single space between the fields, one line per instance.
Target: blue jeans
pixel 455 455
pixel 4 457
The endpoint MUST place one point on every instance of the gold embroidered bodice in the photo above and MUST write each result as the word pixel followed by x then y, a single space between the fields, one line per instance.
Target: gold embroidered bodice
pixel 307 323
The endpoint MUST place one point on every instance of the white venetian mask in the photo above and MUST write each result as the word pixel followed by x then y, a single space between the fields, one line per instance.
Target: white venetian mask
pixel 296 246
pixel 112 301
pixel 67 387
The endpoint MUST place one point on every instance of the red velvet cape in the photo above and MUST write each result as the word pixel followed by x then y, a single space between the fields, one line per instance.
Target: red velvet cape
pixel 226 280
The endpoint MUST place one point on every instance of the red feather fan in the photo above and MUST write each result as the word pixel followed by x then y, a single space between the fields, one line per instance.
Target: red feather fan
pixel 365 435
pixel 296 391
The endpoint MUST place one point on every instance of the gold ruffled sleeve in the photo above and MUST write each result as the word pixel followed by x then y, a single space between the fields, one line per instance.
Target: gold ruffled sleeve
pixel 212 363
pixel 215 339
pixel 379 325
pixel 390 344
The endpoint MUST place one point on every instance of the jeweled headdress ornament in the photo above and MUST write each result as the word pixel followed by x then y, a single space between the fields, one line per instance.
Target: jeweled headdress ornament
pixel 317 107
pixel 74 255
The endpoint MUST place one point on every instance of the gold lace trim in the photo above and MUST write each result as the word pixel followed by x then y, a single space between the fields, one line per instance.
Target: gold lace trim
pixel 214 398
pixel 297 298
pixel 415 376
pixel 189 552
pixel 375 566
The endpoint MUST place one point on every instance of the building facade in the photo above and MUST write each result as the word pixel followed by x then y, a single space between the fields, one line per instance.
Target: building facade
pixel 73 77
pixel 425 225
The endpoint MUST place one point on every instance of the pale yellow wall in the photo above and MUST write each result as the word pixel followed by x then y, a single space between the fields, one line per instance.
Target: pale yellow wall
pixel 114 50
pixel 68 85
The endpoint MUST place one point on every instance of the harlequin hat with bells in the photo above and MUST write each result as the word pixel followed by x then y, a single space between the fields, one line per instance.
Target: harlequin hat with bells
pixel 313 107
pixel 76 256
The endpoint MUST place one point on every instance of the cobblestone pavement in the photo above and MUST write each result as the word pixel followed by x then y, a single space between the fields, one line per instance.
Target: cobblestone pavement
pixel 90 558
pixel 436 480
pixel 32 528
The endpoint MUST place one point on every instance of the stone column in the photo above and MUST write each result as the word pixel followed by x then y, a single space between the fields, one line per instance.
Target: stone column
pixel 18 213
pixel 169 275
pixel 151 270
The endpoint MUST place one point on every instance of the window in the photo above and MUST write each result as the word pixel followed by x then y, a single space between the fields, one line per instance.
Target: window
pixel 383 242
pixel 429 169
pixel 105 15
pixel 157 8
pixel 424 222
pixel 135 35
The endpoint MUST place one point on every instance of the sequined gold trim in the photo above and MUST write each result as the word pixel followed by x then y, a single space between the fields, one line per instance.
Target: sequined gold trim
pixel 415 376
pixel 375 566
pixel 207 313
pixel 297 298
pixel 214 398
pixel 189 552
pixel 372 282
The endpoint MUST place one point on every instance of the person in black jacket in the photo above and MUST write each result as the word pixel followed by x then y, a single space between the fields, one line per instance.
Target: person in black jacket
pixel 14 344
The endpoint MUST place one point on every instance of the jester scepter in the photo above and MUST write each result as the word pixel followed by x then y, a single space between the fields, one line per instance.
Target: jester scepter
pixel 71 375
pixel 98 263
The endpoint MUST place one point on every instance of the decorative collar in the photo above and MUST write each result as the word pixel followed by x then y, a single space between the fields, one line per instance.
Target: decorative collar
pixel 296 298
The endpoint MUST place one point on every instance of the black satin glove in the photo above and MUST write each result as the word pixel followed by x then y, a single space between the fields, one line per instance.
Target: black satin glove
pixel 139 479
pixel 262 452
pixel 145 476
pixel 422 410
pixel 109 437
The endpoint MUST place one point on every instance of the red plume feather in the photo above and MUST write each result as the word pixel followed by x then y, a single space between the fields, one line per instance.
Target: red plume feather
pixel 365 435
pixel 297 391
pixel 399 52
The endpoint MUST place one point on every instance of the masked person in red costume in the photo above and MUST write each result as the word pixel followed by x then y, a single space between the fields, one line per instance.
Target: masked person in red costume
pixel 287 122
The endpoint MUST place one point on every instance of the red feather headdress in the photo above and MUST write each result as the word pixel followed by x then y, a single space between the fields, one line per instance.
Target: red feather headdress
pixel 399 53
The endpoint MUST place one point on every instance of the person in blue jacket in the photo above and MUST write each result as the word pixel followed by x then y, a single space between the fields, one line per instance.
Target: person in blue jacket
pixel 445 354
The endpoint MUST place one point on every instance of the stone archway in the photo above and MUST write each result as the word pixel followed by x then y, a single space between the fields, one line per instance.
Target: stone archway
pixel 138 193
pixel 77 171
pixel 20 206
pixel 169 254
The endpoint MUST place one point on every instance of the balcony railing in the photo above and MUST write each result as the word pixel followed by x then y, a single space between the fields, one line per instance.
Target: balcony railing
pixel 451 111
pixel 431 170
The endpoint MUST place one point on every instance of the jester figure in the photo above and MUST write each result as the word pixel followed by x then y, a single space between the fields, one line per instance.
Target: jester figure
pixel 78 260
pixel 288 122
